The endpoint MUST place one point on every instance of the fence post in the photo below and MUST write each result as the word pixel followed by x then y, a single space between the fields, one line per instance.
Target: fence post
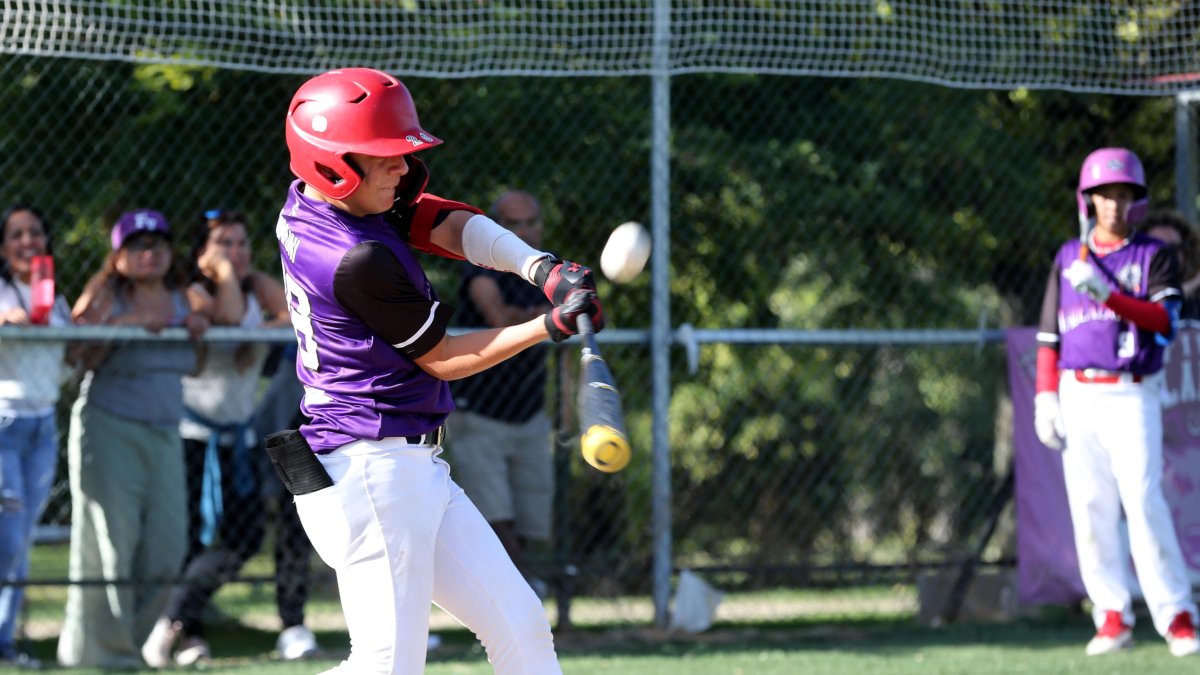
pixel 660 303
pixel 1185 156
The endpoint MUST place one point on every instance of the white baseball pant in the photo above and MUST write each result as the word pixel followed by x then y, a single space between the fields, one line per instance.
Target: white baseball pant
pixel 1114 460
pixel 401 534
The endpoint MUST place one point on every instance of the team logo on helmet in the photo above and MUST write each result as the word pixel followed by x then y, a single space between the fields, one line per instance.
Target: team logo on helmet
pixel 426 137
pixel 414 140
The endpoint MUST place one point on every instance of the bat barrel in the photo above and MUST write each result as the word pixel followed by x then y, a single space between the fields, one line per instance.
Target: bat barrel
pixel 602 421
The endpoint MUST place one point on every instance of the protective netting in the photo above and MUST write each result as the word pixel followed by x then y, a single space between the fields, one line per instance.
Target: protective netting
pixel 804 196
pixel 1134 47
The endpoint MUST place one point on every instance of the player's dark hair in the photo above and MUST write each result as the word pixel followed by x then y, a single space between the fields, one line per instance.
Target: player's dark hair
pixel 5 216
pixel 1175 220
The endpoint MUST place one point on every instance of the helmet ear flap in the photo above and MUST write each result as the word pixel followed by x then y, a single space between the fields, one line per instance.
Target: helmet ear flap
pixel 1138 211
pixel 335 179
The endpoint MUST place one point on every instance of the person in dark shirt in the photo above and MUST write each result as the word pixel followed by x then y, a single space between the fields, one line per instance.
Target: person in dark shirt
pixel 499 441
pixel 1171 228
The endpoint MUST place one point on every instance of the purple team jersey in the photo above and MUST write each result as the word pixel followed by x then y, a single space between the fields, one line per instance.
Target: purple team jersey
pixel 1091 335
pixel 362 309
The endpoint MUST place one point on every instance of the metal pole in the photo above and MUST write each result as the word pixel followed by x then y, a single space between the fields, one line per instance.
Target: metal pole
pixel 1185 153
pixel 660 303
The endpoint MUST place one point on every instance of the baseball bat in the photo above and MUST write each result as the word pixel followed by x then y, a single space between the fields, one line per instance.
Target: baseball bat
pixel 1085 228
pixel 603 441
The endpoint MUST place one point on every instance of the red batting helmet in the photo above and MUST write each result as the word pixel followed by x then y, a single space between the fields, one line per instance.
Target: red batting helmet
pixel 359 110
pixel 1107 166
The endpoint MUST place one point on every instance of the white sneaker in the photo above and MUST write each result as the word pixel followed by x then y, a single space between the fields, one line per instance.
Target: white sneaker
pixel 192 650
pixel 297 642
pixel 156 652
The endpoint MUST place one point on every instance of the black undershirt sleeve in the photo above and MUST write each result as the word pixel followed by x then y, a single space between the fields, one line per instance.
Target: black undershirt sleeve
pixel 372 284
pixel 1164 281
pixel 1048 323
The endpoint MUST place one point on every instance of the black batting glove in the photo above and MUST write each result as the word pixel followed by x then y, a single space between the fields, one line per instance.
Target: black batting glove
pixel 557 278
pixel 560 321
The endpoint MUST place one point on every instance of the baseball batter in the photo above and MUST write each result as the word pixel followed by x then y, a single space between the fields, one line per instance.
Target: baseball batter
pixel 1105 321
pixel 374 358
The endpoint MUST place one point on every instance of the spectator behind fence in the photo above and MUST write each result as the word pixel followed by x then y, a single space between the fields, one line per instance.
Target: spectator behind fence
pixel 1173 229
pixel 30 377
pixel 1109 311
pixel 125 455
pixel 278 409
pixel 225 510
pixel 499 440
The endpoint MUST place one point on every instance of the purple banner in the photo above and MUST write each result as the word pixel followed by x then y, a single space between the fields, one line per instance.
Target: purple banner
pixel 1047 569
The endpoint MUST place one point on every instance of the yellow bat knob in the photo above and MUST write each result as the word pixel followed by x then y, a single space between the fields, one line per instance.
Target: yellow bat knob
pixel 605 448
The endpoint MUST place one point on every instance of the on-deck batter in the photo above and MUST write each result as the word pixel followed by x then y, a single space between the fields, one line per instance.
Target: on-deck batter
pixel 374 358
pixel 1105 321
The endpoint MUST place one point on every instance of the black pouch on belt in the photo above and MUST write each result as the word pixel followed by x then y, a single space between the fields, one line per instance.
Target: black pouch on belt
pixel 296 463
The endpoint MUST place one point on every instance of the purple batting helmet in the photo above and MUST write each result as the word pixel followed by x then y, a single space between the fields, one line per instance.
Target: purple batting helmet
pixel 1107 166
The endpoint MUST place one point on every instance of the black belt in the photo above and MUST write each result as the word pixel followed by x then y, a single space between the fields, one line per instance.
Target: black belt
pixel 434 437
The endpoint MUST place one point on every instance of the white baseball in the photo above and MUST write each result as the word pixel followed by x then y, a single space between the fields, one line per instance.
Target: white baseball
pixel 626 252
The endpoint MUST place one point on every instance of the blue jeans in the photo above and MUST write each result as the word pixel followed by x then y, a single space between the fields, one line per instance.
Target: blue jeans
pixel 28 453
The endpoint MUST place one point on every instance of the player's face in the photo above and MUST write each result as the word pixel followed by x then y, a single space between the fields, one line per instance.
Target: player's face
pixel 24 238
pixel 232 240
pixel 1112 204
pixel 380 177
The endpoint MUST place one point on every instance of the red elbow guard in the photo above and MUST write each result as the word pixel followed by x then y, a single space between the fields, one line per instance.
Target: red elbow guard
pixel 426 216
pixel 1047 370
pixel 1143 313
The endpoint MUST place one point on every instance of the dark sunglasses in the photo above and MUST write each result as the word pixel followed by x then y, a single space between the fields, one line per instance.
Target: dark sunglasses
pixel 145 242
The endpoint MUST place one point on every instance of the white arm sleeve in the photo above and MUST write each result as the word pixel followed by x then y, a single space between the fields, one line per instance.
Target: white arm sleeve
pixel 487 244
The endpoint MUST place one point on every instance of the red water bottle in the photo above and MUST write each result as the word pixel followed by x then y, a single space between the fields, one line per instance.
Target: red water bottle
pixel 41 284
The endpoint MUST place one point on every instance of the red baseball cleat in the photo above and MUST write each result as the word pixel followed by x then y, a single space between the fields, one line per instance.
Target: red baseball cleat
pixel 1113 636
pixel 1181 635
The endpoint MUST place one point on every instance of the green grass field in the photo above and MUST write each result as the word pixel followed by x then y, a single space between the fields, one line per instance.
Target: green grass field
pixel 860 646
pixel 767 633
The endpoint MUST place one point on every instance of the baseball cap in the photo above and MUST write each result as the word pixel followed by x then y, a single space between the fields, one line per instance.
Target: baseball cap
pixel 137 222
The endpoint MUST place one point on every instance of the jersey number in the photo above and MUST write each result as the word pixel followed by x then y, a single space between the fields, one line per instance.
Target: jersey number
pixel 300 310
pixel 1127 342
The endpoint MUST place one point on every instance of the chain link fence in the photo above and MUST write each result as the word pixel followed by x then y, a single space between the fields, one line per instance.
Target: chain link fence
pixel 845 241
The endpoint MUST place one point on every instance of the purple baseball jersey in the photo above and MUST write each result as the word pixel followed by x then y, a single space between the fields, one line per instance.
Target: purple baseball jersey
pixel 1091 335
pixel 363 309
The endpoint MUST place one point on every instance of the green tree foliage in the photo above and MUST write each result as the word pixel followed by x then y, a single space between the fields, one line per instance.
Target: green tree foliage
pixel 796 203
